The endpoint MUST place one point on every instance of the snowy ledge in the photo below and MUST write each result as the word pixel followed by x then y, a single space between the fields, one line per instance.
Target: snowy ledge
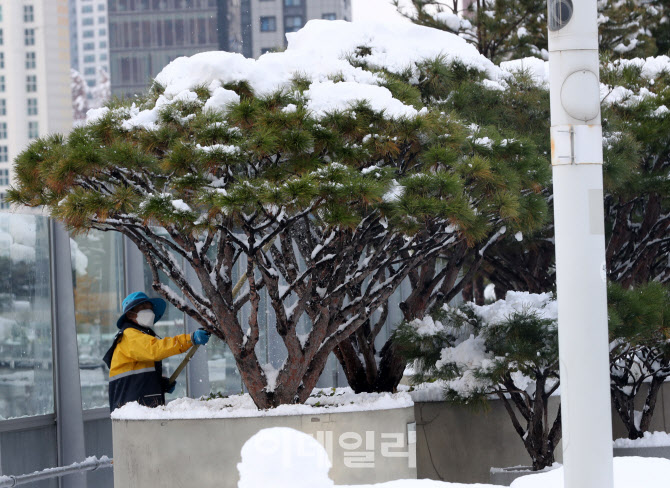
pixel 322 401
pixel 655 439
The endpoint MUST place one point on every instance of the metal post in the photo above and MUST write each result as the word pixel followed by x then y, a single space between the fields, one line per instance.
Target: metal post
pixel 69 414
pixel 197 370
pixel 133 267
pixel 576 156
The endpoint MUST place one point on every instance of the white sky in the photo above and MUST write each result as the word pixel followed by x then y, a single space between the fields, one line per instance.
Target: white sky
pixel 374 10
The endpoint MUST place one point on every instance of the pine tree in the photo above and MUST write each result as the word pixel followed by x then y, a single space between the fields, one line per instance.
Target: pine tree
pixel 327 211
pixel 515 29
pixel 639 351
pixel 507 350
pixel 509 145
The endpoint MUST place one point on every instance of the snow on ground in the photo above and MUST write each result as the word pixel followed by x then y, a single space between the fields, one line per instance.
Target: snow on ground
pixel 286 458
pixel 321 401
pixel 650 439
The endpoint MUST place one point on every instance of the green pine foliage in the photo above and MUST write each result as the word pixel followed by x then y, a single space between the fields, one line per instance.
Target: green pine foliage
pixel 508 353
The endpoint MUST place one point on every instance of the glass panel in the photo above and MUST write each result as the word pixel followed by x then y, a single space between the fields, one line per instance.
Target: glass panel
pixel 26 365
pixel 98 280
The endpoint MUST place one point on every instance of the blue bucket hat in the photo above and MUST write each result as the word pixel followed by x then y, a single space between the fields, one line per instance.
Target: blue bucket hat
pixel 135 299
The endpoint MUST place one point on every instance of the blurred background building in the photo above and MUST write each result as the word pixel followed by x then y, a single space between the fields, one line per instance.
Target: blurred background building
pixel 34 76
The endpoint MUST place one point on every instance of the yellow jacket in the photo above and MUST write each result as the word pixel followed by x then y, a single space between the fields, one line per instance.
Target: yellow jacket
pixel 137 351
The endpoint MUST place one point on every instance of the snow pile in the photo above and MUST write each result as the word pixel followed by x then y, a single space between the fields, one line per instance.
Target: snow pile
pixel 283 458
pixel 286 458
pixel 650 439
pixel 318 53
pixel 543 304
pixel 321 401
pixel 629 472
pixel 537 69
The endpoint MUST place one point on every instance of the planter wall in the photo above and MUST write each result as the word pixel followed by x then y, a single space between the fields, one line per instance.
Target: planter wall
pixel 655 451
pixel 456 444
pixel 459 445
pixel 365 447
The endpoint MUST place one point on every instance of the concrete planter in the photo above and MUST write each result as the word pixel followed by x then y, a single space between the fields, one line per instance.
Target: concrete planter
pixel 505 476
pixel 655 451
pixel 364 447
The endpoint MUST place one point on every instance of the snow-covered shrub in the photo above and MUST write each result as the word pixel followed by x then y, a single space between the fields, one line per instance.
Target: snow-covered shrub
pixel 507 350
pixel 639 321
pixel 323 176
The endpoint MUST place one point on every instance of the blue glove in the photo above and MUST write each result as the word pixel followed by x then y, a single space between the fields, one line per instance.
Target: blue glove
pixel 200 337
pixel 167 386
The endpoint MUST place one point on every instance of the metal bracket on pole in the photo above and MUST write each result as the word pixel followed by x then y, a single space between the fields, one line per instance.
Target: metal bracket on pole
pixel 583 141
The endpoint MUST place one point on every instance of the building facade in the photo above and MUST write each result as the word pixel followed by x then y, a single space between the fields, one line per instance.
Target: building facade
pixel 271 20
pixel 145 35
pixel 89 38
pixel 34 76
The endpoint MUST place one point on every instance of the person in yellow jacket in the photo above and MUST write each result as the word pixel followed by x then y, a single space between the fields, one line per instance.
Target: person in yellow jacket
pixel 135 358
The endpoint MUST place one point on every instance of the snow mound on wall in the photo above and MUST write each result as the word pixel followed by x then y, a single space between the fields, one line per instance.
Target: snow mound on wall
pixel 650 439
pixel 321 401
pixel 283 458
pixel 317 53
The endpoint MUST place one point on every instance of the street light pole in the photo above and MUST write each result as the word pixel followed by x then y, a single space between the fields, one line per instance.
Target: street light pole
pixel 576 158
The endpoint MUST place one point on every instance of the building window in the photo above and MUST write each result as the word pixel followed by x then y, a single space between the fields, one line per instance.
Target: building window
pixel 292 23
pixel 3 106
pixel 102 32
pixel 87 34
pixel 4 178
pixel 0 13
pixel 31 83
pixel 2 83
pixel 26 312
pixel 2 60
pixel 90 83
pixel 3 130
pixel 30 60
pixel 89 46
pixel 103 57
pixel 102 20
pixel 103 44
pixel 268 24
pixel 33 132
pixel 89 58
pixel 87 9
pixel 101 7
pixel 32 106
pixel 29 37
pixel 2 37
pixel 292 3
pixel 28 13
pixel 3 154
pixel 89 71
pixel 87 21
pixel 329 16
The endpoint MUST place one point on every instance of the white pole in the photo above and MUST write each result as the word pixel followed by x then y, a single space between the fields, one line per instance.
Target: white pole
pixel 576 156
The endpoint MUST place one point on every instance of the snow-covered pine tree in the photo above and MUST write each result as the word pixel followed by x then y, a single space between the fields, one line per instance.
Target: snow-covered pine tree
pixel 79 96
pixel 507 351
pixel 639 324
pixel 323 179
pixel 506 141
pixel 515 29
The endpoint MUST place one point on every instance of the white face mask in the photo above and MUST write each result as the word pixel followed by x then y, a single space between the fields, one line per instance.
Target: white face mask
pixel 145 318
